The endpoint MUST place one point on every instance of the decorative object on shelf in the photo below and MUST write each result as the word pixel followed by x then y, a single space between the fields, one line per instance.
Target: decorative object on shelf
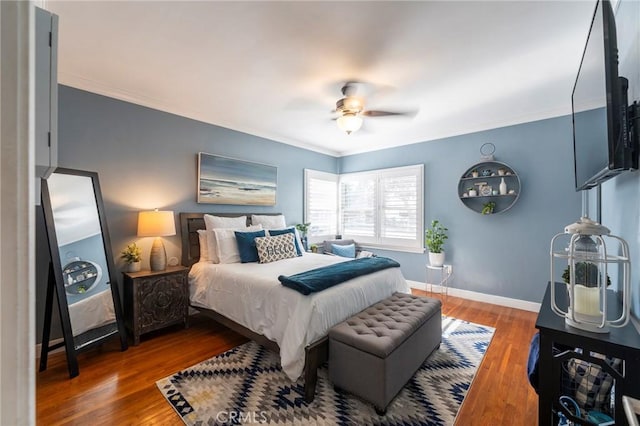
pixel 589 254
pixel 487 208
pixel 503 187
pixel 474 173
pixel 314 248
pixel 469 187
pixel 435 237
pixel 157 224
pixel 81 276
pixel 303 228
pixel 486 151
pixel 132 256
pixel 223 180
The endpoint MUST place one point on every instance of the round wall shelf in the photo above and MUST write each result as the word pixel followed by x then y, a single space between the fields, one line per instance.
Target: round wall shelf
pixel 485 178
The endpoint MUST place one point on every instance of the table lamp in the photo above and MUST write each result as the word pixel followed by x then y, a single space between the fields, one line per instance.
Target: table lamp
pixel 157 224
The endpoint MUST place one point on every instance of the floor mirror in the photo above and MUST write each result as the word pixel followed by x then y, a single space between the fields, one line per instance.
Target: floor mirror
pixel 82 275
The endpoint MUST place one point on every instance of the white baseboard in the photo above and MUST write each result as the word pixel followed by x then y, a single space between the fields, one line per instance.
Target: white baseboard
pixel 481 297
pixel 51 343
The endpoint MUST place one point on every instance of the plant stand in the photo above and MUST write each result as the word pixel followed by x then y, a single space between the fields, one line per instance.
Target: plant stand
pixel 443 273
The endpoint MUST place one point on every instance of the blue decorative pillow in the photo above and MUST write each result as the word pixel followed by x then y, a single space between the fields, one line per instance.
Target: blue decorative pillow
pixel 347 250
pixel 274 232
pixel 247 245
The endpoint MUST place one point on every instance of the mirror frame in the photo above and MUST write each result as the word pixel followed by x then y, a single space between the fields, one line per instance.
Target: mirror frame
pixel 93 337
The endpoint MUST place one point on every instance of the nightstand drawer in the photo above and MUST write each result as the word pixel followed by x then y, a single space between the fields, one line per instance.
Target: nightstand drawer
pixel 155 299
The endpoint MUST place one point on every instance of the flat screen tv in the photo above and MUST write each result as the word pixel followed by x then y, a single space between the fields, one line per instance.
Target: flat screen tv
pixel 601 137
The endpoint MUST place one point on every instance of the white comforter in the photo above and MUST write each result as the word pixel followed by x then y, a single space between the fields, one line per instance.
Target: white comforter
pixel 251 295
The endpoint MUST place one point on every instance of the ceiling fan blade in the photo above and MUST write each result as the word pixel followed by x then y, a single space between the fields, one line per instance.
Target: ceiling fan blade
pixel 389 113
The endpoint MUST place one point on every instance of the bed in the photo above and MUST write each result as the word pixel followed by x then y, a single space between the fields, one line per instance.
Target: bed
pixel 248 298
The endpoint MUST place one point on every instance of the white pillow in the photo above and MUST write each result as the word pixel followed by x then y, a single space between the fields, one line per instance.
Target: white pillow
pixel 269 222
pixel 212 247
pixel 224 245
pixel 204 245
pixel 213 222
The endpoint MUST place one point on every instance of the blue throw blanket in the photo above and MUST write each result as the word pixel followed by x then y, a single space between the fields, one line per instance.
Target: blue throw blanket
pixel 322 278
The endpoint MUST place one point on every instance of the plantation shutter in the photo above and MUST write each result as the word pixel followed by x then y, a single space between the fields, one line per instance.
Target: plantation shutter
pixel 399 206
pixel 321 204
pixel 384 208
pixel 358 206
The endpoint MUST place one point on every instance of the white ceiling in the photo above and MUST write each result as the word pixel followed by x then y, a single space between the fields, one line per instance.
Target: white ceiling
pixel 274 69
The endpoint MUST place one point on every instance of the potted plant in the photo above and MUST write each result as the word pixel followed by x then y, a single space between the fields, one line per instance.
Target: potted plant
pixel 314 248
pixel 488 208
pixel 303 228
pixel 586 274
pixel 435 237
pixel 472 191
pixel 474 173
pixel 132 256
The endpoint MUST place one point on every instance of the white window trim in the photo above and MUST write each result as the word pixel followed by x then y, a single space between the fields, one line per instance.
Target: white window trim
pixel 331 177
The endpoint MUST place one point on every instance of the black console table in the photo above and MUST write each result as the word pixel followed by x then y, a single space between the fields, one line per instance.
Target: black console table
pixel 622 343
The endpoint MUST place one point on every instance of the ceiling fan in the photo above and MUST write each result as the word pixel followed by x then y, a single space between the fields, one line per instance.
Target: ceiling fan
pixel 351 109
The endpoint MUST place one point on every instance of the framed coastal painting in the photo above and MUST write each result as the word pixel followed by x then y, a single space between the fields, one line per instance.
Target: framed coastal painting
pixel 223 180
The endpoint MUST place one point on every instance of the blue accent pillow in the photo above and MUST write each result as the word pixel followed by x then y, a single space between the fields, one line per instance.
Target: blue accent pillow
pixel 287 231
pixel 347 250
pixel 247 245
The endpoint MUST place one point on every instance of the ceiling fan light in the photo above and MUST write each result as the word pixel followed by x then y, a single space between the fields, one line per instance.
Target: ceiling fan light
pixel 350 123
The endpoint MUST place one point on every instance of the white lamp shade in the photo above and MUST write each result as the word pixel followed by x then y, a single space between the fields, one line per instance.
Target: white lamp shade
pixel 156 224
pixel 350 123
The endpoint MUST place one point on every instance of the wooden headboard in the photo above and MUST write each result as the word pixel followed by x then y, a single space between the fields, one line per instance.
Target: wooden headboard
pixel 190 223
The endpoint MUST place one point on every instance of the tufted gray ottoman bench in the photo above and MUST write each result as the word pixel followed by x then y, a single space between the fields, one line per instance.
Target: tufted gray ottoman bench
pixel 374 353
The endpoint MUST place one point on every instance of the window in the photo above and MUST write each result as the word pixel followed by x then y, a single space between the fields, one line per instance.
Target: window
pixel 321 204
pixel 382 208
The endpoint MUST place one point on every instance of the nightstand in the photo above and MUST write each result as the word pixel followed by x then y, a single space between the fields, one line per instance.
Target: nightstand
pixel 155 299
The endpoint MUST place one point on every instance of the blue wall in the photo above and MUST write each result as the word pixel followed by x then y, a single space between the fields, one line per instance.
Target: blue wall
pixel 504 254
pixel 147 159
pixel 621 196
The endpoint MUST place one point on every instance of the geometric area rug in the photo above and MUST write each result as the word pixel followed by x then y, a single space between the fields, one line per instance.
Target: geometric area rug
pixel 246 385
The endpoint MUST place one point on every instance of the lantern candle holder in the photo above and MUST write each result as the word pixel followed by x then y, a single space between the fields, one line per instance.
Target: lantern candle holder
pixel 588 255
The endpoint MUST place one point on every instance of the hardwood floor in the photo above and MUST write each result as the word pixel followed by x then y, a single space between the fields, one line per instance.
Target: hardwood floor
pixel 118 388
